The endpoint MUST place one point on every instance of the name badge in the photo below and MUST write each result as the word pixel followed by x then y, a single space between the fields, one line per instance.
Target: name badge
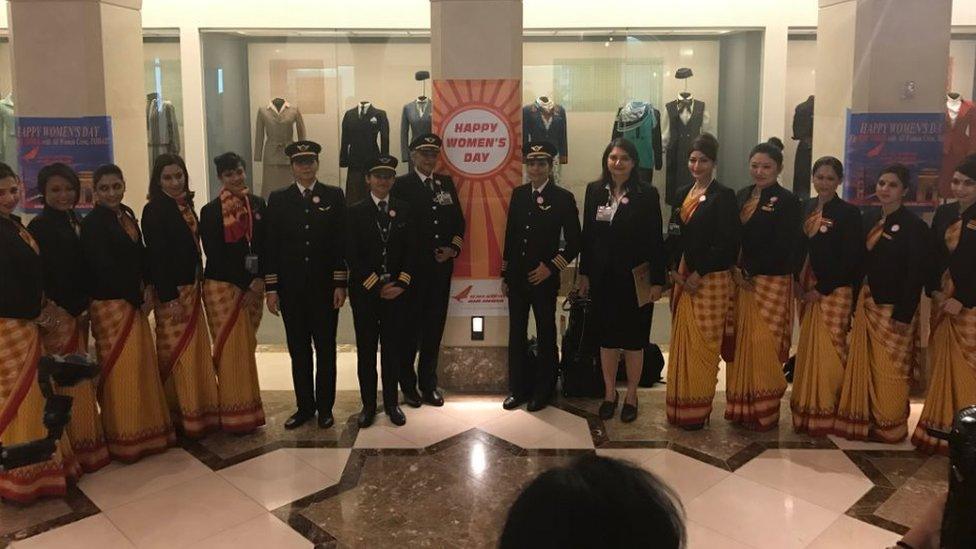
pixel 603 213
pixel 674 229
pixel 251 263
pixel 444 199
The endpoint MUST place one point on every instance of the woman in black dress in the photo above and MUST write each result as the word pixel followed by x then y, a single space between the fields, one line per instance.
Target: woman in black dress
pixel 622 230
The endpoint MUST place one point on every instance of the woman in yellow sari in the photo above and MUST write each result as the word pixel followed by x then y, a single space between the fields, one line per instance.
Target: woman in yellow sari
pixel 702 244
pixel 22 309
pixel 232 230
pixel 874 396
pixel 175 268
pixel 758 342
pixel 134 415
pixel 58 233
pixel 829 262
pixel 952 284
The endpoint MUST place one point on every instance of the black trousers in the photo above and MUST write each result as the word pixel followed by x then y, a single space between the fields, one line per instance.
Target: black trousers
pixel 536 379
pixel 427 311
pixel 378 322
pixel 356 188
pixel 311 321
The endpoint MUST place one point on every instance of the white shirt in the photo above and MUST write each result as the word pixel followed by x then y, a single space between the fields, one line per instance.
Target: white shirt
pixel 301 188
pixel 424 178
pixel 376 200
pixel 952 107
pixel 540 189
pixel 613 203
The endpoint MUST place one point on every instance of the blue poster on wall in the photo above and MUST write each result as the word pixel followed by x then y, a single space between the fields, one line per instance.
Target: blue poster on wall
pixel 83 143
pixel 875 140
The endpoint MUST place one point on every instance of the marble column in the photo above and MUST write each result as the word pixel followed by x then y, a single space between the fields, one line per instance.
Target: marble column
pixel 74 58
pixel 475 39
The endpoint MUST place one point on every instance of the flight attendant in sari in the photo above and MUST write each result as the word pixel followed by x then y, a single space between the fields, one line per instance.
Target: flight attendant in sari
pixel 874 396
pixel 952 285
pixel 232 230
pixel 759 341
pixel 172 236
pixel 134 414
pixel 22 313
pixel 828 265
pixel 702 244
pixel 57 231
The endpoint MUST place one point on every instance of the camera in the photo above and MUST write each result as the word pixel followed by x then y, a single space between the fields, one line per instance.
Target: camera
pixel 52 371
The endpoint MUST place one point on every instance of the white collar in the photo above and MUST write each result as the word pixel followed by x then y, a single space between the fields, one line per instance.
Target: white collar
pixel 540 189
pixel 377 200
pixel 271 106
pixel 301 188
pixel 365 104
pixel 422 176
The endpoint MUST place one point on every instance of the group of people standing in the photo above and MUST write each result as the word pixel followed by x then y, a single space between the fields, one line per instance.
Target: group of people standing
pixel 738 265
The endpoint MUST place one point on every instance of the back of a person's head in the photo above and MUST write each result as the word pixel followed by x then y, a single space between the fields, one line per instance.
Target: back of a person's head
pixel 595 502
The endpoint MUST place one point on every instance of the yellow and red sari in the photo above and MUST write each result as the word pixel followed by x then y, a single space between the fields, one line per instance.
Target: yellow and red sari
pixel 822 350
pixel 133 405
pixel 697 327
pixel 84 431
pixel 953 347
pixel 757 340
pixel 234 327
pixel 21 417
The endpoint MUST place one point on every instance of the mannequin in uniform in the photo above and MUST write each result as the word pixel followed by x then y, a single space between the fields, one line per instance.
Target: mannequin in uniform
pixel 958 139
pixel 276 126
pixel 414 122
pixel 640 123
pixel 544 120
pixel 361 126
pixel 8 132
pixel 686 119
pixel 163 127
pixel 803 132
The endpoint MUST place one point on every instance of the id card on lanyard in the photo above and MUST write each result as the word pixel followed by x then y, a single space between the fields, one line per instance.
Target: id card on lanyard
pixel 251 263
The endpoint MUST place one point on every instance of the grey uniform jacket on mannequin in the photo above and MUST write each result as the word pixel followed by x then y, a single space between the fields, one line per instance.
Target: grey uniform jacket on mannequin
pixel 274 131
pixel 414 122
pixel 163 127
pixel 8 132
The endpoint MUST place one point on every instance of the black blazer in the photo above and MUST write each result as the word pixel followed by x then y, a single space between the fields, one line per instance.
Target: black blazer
pixel 305 244
pixel 894 269
pixel 835 251
pixel 633 237
pixel 365 248
pixel 117 265
pixel 225 261
pixel 709 242
pixel 770 237
pixel 534 231
pixel 21 274
pixel 437 224
pixel 174 258
pixel 63 259
pixel 358 140
pixel 961 263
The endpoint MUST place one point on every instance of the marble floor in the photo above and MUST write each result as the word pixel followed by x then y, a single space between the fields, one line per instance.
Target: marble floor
pixel 447 478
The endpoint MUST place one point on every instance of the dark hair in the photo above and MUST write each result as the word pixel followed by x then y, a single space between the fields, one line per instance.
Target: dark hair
pixel 156 180
pixel 106 169
pixel 833 163
pixel 968 167
pixel 900 171
pixel 772 148
pixel 634 180
pixel 706 144
pixel 228 161
pixel 61 170
pixel 6 171
pixel 595 502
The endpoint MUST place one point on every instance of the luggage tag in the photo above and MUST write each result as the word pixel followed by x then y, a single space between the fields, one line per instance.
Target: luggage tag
pixel 604 213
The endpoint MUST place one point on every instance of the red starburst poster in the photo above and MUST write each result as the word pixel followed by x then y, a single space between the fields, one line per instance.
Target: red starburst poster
pixel 480 122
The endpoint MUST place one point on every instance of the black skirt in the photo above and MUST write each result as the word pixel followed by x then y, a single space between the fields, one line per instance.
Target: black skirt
pixel 623 325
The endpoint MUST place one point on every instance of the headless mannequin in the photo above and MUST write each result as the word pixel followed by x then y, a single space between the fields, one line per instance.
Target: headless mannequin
pixel 278 103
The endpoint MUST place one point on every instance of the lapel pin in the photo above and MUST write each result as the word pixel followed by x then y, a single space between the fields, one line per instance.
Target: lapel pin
pixel 392 213
pixel 316 200
pixel 701 198
pixel 895 228
pixel 539 200
pixel 624 200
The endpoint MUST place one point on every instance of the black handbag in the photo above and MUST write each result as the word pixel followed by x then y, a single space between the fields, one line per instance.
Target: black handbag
pixel 579 365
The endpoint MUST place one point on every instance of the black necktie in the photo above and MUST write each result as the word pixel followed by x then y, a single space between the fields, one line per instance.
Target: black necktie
pixel 430 183
pixel 535 196
pixel 383 216
pixel 362 111
pixel 306 193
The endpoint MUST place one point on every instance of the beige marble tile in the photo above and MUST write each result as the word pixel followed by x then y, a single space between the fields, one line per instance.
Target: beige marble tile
pixel 637 456
pixel 330 461
pixel 95 532
pixel 184 514
pixel 262 532
pixel 850 532
pixel 276 479
pixel 689 477
pixel 119 483
pixel 700 537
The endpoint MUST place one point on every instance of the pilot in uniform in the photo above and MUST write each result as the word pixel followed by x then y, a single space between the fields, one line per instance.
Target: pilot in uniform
pixel 306 276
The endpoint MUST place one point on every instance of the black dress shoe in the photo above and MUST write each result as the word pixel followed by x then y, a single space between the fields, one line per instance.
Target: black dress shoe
pixel 366 417
pixel 297 420
pixel 537 404
pixel 411 398
pixel 396 415
pixel 513 402
pixel 433 398
pixel 326 420
pixel 628 413
pixel 607 408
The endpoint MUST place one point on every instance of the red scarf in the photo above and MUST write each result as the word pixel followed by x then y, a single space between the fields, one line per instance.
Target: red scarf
pixel 236 211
